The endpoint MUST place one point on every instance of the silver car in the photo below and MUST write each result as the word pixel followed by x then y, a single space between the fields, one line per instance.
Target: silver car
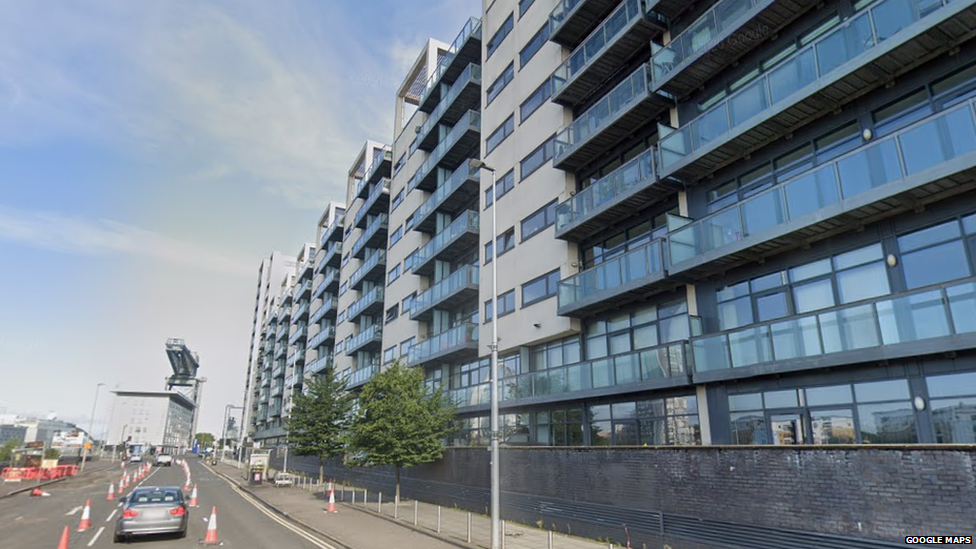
pixel 153 510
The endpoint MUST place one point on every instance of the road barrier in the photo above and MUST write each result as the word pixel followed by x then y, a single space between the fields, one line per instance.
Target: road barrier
pixel 17 474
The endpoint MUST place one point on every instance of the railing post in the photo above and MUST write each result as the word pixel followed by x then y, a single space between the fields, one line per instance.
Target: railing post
pixel 469 527
pixel 365 496
pixel 379 504
pixel 416 511
pixel 550 539
pixel 439 519
pixel 503 534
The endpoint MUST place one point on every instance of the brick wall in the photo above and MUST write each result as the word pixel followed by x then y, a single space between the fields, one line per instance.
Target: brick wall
pixel 861 493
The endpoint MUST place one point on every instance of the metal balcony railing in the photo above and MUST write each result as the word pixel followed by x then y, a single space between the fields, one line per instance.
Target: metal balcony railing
pixel 372 335
pixel 369 301
pixel 460 340
pixel 297 334
pixel 464 278
pixel 370 235
pixel 382 188
pixel 471 28
pixel 466 223
pixel 361 376
pixel 375 260
pixel 470 77
pixel 325 334
pixel 612 281
pixel 425 177
pixel 329 304
pixel 464 178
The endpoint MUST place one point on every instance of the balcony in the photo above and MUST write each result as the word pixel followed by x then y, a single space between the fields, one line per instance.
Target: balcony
pixel 720 37
pixel 332 257
pixel 278 372
pixel 277 390
pixel 884 41
pixel 329 305
pixel 361 376
pixel 464 94
pixel 369 304
pixel 377 202
pixel 471 396
pixel 323 337
pixel 381 168
pixel 930 160
pixel 451 197
pixel 616 41
pixel 333 233
pixel 305 271
pixel 613 283
pixel 373 270
pixel 301 312
pixel 318 365
pixel 282 332
pixel 571 21
pixel 460 144
pixel 625 109
pixel 621 193
pixel 370 338
pixel 266 381
pixel 465 49
pixel 658 367
pixel 274 410
pixel 458 343
pixel 459 286
pixel 459 238
pixel 933 320
pixel 297 334
pixel 373 237
pixel 296 358
pixel 330 284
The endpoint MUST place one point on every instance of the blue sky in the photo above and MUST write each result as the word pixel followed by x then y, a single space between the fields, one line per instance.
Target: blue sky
pixel 152 152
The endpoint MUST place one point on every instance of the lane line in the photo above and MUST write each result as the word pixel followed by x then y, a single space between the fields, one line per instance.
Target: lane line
pixel 109 519
pixel 73 511
pixel 94 539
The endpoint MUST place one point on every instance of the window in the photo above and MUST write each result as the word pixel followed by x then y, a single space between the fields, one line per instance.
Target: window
pixel 524 6
pixel 535 159
pixel 338 347
pixel 540 288
pixel 393 274
pixel 399 163
pixel 500 83
pixel 343 288
pixel 397 200
pixel 534 45
pixel 500 35
pixel 936 254
pixel 506 305
pixel 646 327
pixel 345 260
pixel 502 186
pixel 396 236
pixel 655 422
pixel 341 317
pixel 534 101
pixel 468 375
pixel 538 221
pixel 408 302
pixel 555 354
pixel 389 355
pixel 506 242
pixel 503 131
pixel 408 224
pixel 391 314
pixel 408 262
pixel 561 427
pixel 405 346
pixel 953 407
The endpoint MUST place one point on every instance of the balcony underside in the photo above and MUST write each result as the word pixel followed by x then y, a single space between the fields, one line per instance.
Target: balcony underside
pixel 467 99
pixel 584 20
pixel 670 9
pixel 619 210
pixel 765 20
pixel 380 205
pixel 470 52
pixel 375 240
pixel 465 293
pixel 334 260
pixel 463 244
pixel 376 274
pixel 610 61
pixel 467 146
pixel 457 353
pixel 452 204
pixel 384 169
pixel 372 344
pixel 884 63
pixel 641 114
pixel 374 308
pixel 333 284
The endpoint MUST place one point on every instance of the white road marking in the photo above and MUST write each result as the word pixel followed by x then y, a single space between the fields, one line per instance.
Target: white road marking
pixel 73 511
pixel 94 539
pixel 109 519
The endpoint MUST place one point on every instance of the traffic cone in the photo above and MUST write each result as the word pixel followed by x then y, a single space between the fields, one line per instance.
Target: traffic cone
pixel 39 492
pixel 85 518
pixel 193 497
pixel 211 538
pixel 64 539
pixel 332 505
pixel 186 487
pixel 111 492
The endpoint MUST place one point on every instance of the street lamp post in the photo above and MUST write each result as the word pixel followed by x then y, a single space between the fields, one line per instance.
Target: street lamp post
pixel 495 427
pixel 223 435
pixel 91 427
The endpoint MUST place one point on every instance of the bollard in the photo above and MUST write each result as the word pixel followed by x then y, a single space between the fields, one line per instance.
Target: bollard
pixel 439 520
pixel 365 497
pixel 416 511
pixel 396 507
pixel 379 504
pixel 469 527
pixel 342 494
pixel 550 539
pixel 354 497
pixel 503 534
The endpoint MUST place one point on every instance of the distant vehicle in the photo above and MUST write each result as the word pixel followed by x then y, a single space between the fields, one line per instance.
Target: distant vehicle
pixel 283 479
pixel 164 460
pixel 135 458
pixel 153 510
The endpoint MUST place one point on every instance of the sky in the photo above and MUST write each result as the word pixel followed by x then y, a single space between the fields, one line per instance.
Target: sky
pixel 152 153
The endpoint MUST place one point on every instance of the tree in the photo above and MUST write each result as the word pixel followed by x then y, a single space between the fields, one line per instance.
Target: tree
pixel 205 440
pixel 52 453
pixel 320 419
pixel 400 422
pixel 7 450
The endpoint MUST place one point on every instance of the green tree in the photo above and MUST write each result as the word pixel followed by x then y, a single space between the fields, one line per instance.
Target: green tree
pixel 7 450
pixel 400 422
pixel 52 453
pixel 320 419
pixel 205 440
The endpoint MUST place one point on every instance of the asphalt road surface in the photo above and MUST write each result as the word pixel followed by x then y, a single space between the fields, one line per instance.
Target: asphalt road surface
pixel 28 522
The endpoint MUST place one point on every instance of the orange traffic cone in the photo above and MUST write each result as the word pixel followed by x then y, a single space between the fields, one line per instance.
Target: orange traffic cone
pixel 332 505
pixel 39 492
pixel 211 538
pixel 193 497
pixel 111 492
pixel 85 518
pixel 64 539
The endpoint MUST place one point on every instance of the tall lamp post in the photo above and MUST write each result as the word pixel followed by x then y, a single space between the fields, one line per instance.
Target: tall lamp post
pixel 223 435
pixel 91 427
pixel 496 530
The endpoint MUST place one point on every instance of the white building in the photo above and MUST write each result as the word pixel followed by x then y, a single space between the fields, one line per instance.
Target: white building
pixel 163 418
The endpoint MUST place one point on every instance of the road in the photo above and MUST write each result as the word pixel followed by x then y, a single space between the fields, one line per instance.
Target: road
pixel 37 522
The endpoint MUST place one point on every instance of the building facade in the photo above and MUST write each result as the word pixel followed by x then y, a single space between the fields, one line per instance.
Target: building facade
pixel 151 418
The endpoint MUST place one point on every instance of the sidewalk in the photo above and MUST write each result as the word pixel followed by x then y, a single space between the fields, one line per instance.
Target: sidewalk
pixel 369 519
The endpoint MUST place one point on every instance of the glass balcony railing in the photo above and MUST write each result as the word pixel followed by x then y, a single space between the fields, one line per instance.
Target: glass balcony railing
pixel 362 338
pixel 300 333
pixel 461 337
pixel 278 371
pixel 318 365
pixel 471 74
pixel 327 234
pixel 612 277
pixel 612 28
pixel 329 303
pixel 473 395
pixel 361 376
pixel 459 279
pixel 331 253
pixel 642 366
pixel 377 165
pixel 607 190
pixel 925 144
pixel 331 275
pixel 378 257
pixel 941 312
pixel 856 36
pixel 598 117
pixel 374 195
pixel 563 11
pixel 468 221
pixel 325 334
pixel 468 122
pixel 371 230
pixel 300 311
pixel 471 28
pixel 370 298
pixel 447 188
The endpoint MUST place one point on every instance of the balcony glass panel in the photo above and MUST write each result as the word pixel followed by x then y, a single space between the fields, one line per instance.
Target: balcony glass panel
pixel 803 68
pixel 374 195
pixel 460 175
pixel 467 122
pixel 596 118
pixel 362 375
pixel 472 72
pixel 607 33
pixel 563 10
pixel 374 295
pixel 371 231
pixel 911 317
pixel 594 198
pixel 362 338
pixel 368 265
pixel 461 278
pixel 465 222
pixel 608 276
pixel 324 335
pixel 471 396
pixel 471 27
pixel 378 161
pixel 926 144
pixel 455 338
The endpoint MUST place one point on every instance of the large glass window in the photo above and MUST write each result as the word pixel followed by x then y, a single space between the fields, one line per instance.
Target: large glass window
pixel 396 235
pixel 555 354
pixel 646 327
pixel 936 254
pixel 653 422
pixel 506 305
pixel 953 407
pixel 502 185
pixel 506 241
pixel 535 100
pixel 560 427
pixel 540 288
pixel 539 220
pixel 626 240
pixel 537 158
pixel 534 45
pixel 503 131
pixel 499 36
pixel 500 83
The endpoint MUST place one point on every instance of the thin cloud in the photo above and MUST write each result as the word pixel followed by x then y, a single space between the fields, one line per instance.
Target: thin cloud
pixel 60 233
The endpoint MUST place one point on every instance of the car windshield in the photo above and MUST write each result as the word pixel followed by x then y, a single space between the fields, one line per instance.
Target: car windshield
pixel 155 496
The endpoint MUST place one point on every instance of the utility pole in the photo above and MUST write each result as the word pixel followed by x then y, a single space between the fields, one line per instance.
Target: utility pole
pixel 91 427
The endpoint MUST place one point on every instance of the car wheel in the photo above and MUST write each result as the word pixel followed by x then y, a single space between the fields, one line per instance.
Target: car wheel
pixel 183 533
pixel 117 538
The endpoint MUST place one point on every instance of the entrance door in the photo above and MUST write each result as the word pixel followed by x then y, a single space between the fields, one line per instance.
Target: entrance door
pixel 787 428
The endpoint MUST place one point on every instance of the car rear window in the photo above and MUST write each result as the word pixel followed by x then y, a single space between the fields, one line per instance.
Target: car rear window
pixel 149 498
